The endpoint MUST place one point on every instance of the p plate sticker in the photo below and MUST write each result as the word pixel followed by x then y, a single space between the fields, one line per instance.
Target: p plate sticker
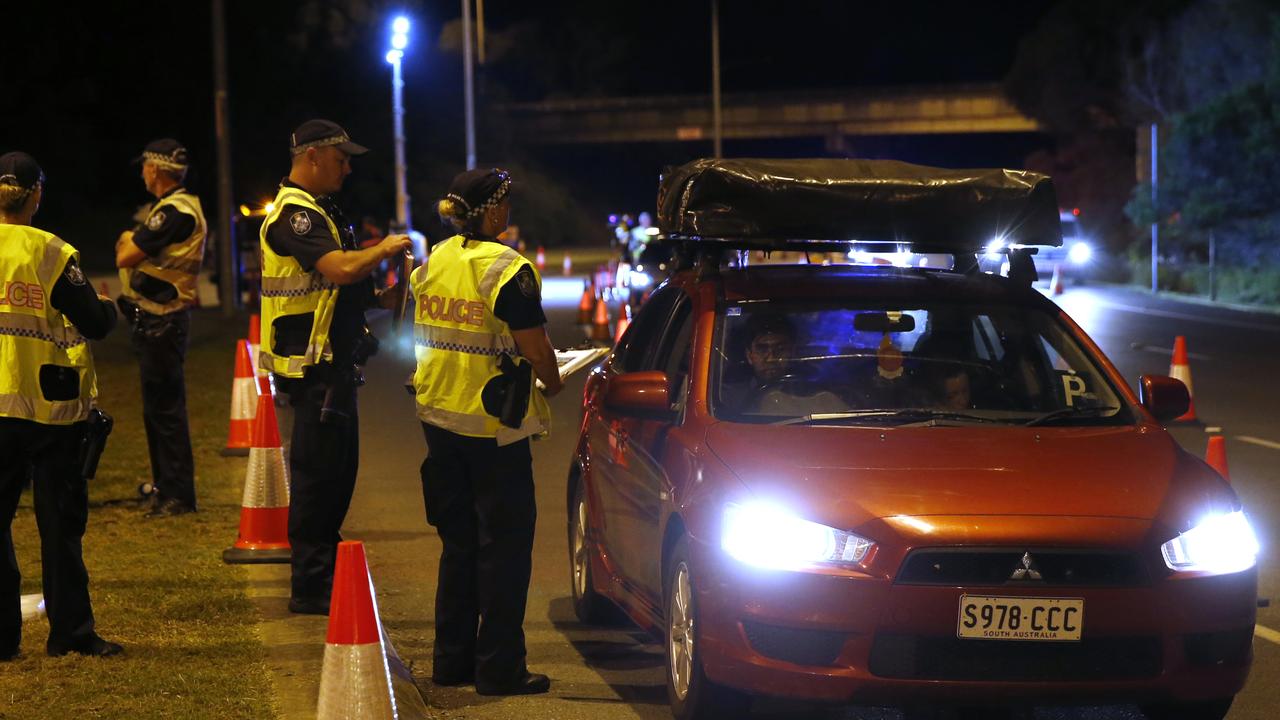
pixel 1073 386
pixel 300 222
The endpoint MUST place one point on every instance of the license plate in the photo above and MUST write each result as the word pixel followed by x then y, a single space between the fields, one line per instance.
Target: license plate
pixel 990 617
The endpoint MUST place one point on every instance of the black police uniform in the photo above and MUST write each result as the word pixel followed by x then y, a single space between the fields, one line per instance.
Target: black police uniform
pixel 50 456
pixel 160 344
pixel 480 498
pixel 325 451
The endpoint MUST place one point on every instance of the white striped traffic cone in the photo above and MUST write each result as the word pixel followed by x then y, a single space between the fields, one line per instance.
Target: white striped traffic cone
pixel 355 681
pixel 264 509
pixel 244 404
pixel 1180 369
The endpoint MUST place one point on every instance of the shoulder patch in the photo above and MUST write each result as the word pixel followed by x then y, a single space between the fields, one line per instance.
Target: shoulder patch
pixel 156 221
pixel 300 222
pixel 527 283
pixel 74 274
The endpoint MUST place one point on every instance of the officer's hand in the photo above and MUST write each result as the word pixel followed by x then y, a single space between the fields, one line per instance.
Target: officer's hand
pixel 393 245
pixel 126 235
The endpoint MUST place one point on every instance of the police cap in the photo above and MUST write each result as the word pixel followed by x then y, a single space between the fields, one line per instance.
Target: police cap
pixel 165 152
pixel 20 170
pixel 322 133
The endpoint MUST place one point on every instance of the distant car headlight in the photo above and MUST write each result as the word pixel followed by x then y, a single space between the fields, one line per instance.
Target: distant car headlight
pixel 1220 544
pixel 765 535
pixel 640 279
pixel 1080 253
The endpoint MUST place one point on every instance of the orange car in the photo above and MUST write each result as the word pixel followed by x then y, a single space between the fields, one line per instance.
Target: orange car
pixel 901 485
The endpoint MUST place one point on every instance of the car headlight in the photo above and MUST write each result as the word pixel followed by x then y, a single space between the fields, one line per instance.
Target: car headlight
pixel 1220 544
pixel 1080 253
pixel 766 536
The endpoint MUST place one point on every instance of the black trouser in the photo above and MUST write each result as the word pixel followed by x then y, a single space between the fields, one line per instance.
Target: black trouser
pixel 50 456
pixel 479 496
pixel 323 461
pixel 160 343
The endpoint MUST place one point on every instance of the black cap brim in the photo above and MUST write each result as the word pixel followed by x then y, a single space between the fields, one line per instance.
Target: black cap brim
pixel 352 149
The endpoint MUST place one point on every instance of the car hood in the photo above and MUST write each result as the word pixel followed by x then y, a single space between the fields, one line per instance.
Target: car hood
pixel 845 476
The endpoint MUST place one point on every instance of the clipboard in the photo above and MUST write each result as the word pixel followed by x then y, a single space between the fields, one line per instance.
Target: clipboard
pixel 570 361
pixel 401 302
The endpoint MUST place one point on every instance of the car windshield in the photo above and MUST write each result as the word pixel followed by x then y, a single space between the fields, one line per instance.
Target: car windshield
pixel 924 363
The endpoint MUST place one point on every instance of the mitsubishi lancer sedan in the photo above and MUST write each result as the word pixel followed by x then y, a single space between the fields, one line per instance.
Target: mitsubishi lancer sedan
pixel 902 485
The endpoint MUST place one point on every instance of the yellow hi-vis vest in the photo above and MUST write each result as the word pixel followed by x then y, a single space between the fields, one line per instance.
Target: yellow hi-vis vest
pixel 287 289
pixel 33 334
pixel 178 263
pixel 458 340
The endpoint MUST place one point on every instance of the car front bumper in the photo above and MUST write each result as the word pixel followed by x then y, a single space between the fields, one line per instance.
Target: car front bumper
pixel 866 640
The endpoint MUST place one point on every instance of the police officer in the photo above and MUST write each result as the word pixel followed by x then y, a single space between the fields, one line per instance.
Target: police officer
pixel 47 387
pixel 158 264
pixel 480 337
pixel 315 290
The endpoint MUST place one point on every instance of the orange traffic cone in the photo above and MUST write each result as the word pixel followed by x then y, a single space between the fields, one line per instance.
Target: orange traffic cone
pixel 244 403
pixel 568 265
pixel 600 324
pixel 1055 284
pixel 540 259
pixel 255 337
pixel 1180 370
pixel 264 509
pixel 1216 456
pixel 586 304
pixel 624 321
pixel 355 681
pixel 104 289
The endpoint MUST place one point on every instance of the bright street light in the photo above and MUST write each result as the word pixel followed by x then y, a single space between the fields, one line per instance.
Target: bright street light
pixel 399 41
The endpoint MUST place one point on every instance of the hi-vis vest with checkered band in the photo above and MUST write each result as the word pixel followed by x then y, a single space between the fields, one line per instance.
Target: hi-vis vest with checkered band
pixel 287 289
pixel 178 263
pixel 34 335
pixel 458 340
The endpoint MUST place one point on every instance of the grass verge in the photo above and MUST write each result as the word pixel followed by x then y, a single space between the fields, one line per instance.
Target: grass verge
pixel 159 587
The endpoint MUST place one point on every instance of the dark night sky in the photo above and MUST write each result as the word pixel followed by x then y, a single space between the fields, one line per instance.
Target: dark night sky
pixel 87 86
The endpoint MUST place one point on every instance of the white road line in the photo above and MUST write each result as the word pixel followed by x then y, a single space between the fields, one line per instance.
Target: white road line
pixel 1266 633
pixel 1259 441
pixel 1184 316
pixel 1166 351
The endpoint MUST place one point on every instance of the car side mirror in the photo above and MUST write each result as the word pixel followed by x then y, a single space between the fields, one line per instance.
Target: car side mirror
pixel 1164 397
pixel 644 394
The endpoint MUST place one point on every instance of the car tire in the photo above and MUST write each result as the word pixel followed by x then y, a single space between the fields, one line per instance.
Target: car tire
pixel 590 607
pixel 1203 710
pixel 691 694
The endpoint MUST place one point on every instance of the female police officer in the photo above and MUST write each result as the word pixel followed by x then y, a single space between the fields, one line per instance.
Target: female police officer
pixel 47 388
pixel 479 335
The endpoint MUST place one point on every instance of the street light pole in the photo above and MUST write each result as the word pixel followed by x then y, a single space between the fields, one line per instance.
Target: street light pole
pixel 717 125
pixel 228 252
pixel 399 41
pixel 468 93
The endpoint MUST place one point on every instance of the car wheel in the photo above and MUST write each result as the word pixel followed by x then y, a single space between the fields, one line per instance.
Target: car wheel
pixel 1204 710
pixel 588 605
pixel 692 695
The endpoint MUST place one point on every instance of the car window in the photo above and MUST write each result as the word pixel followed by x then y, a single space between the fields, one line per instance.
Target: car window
pixel 990 362
pixel 673 355
pixel 636 351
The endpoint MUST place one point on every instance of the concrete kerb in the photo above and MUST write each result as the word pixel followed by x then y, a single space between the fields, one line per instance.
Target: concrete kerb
pixel 1192 299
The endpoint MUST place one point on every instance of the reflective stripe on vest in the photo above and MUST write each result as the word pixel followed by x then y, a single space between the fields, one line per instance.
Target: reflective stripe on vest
pixel 178 263
pixel 458 338
pixel 287 289
pixel 34 334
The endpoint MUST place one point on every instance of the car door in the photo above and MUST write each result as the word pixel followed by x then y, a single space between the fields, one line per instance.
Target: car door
pixel 607 438
pixel 646 482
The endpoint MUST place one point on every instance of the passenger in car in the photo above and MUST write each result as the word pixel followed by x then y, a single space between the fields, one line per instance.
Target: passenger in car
pixel 776 385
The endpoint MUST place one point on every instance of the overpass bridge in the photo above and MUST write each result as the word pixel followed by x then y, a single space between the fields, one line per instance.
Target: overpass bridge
pixel 832 114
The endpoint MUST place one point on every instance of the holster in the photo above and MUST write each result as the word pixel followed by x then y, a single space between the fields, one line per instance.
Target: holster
pixel 96 430
pixel 506 396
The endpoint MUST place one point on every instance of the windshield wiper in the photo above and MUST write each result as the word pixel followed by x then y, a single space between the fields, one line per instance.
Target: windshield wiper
pixel 907 416
pixel 1072 412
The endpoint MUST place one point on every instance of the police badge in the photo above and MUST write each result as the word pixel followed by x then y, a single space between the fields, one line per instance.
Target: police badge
pixel 74 274
pixel 156 220
pixel 300 222
pixel 527 283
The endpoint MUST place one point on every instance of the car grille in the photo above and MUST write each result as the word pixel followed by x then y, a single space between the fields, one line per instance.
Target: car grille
pixel 943 566
pixel 912 657
pixel 802 647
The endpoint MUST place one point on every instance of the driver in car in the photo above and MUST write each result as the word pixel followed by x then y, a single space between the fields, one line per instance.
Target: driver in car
pixel 776 386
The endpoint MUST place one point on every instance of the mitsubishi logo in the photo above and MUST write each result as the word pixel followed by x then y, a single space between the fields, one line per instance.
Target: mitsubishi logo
pixel 1028 570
